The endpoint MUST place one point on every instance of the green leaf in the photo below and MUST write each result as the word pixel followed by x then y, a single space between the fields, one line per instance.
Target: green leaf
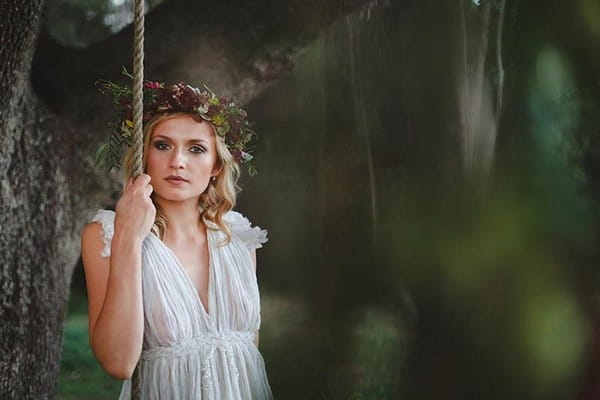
pixel 101 154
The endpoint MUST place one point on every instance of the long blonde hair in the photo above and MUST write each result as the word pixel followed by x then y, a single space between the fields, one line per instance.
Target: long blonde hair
pixel 220 195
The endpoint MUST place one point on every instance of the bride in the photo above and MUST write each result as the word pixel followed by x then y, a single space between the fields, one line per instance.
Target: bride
pixel 171 274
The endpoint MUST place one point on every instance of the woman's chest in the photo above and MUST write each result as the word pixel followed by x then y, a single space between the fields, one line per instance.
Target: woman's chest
pixel 215 288
pixel 195 263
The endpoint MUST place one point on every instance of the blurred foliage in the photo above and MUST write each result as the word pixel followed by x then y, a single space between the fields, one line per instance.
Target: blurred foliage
pixel 378 346
pixel 390 275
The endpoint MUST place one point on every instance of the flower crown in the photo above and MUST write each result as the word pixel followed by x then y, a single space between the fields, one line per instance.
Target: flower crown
pixel 228 119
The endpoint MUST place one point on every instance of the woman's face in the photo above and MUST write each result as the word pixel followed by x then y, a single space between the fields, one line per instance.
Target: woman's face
pixel 181 159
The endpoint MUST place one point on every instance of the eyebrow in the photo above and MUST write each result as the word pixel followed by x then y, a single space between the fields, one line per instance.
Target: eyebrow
pixel 189 141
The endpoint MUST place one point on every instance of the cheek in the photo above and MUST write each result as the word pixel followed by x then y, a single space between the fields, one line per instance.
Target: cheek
pixel 205 164
pixel 151 161
pixel 156 162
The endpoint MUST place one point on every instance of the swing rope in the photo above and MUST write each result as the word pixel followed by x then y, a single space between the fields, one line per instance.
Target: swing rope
pixel 138 81
pixel 138 145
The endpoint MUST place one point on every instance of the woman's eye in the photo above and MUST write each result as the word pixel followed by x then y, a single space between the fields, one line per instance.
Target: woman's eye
pixel 197 149
pixel 161 145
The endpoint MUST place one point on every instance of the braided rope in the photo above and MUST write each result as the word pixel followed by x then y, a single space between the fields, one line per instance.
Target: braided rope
pixel 138 145
pixel 138 81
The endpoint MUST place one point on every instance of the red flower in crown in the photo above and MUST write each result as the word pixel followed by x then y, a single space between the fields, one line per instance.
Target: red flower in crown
pixel 152 85
pixel 189 99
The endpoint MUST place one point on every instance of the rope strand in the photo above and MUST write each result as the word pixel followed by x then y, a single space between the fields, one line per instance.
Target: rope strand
pixel 138 145
pixel 138 81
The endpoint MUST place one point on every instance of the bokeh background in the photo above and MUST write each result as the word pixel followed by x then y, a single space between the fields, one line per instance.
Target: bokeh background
pixel 428 175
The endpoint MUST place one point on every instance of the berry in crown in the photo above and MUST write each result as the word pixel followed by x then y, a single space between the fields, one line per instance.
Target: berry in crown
pixel 228 119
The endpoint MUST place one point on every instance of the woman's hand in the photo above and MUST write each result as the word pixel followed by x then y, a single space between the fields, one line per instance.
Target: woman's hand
pixel 114 285
pixel 135 211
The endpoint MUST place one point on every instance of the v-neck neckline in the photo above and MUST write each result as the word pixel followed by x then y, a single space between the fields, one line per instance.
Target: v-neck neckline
pixel 208 307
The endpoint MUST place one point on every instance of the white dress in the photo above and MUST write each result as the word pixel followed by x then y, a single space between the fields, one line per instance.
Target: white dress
pixel 190 352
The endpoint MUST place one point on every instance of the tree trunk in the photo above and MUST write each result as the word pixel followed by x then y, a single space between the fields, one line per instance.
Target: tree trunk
pixel 36 232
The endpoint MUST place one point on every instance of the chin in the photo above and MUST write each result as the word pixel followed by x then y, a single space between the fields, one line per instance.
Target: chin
pixel 177 197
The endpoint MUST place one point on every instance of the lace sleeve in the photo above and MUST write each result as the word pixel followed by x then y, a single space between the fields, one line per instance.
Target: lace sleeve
pixel 106 218
pixel 252 236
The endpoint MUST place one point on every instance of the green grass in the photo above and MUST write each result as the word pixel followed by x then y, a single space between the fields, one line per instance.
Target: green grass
pixel 81 377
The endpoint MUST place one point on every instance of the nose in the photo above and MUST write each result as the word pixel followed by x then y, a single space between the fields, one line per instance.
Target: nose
pixel 177 160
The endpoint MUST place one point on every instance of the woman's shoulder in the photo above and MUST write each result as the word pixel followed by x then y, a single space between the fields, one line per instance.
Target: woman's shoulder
pixel 100 226
pixel 252 236
pixel 106 219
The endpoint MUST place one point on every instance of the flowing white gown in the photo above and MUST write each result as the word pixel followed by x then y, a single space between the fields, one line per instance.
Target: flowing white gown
pixel 190 352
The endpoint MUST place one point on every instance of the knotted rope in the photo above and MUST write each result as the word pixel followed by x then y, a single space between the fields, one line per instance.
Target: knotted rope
pixel 138 142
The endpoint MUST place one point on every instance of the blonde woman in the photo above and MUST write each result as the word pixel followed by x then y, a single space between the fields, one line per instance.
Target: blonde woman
pixel 171 274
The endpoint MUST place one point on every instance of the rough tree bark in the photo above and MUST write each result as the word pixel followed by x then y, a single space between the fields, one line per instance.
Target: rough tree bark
pixel 36 234
pixel 51 119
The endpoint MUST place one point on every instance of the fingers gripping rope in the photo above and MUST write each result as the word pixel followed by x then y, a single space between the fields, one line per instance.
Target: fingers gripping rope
pixel 138 111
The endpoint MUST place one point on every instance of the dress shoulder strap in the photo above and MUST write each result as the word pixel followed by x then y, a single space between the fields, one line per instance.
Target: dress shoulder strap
pixel 252 236
pixel 106 218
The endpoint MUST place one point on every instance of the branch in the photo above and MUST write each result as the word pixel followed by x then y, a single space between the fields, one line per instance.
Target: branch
pixel 500 65
pixel 236 47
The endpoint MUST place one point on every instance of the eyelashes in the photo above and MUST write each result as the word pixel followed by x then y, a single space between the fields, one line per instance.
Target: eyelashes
pixel 164 146
pixel 198 149
pixel 160 145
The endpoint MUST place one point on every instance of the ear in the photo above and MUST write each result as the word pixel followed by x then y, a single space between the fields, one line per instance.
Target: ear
pixel 217 169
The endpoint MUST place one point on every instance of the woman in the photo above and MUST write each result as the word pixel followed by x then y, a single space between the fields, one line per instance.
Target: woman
pixel 171 274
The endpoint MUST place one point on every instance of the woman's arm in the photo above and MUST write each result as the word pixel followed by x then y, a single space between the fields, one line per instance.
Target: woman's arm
pixel 116 318
pixel 114 287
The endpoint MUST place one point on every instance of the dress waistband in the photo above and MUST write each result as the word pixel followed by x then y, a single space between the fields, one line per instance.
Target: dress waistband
pixel 222 340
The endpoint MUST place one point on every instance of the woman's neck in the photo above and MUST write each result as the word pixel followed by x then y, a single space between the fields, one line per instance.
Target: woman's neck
pixel 182 217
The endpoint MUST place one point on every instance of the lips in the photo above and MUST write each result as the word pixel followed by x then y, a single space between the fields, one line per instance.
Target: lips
pixel 176 179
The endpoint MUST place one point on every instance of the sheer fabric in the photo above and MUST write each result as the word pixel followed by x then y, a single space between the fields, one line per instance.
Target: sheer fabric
pixel 190 352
